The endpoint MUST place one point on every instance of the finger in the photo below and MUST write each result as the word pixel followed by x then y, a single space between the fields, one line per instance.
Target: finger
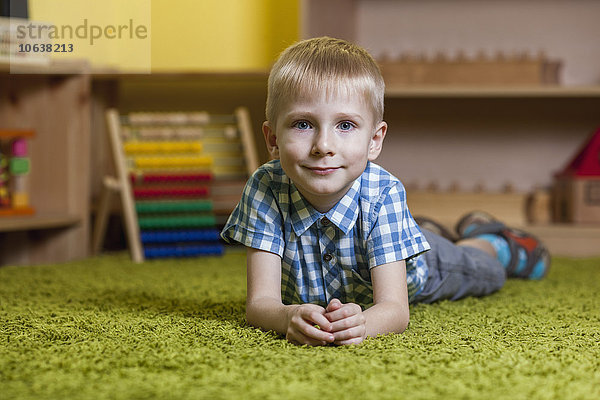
pixel 317 334
pixel 300 340
pixel 350 333
pixel 355 341
pixel 347 323
pixel 311 339
pixel 305 325
pixel 333 305
pixel 347 310
pixel 318 319
pixel 313 342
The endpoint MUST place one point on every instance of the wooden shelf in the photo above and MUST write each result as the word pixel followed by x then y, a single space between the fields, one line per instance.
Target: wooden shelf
pixel 592 91
pixel 566 92
pixel 16 133
pixel 561 239
pixel 103 74
pixel 568 240
pixel 52 67
pixel 550 91
pixel 560 92
pixel 52 101
pixel 34 222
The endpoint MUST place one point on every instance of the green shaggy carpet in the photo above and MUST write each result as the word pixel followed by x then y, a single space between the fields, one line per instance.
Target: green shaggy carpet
pixel 108 329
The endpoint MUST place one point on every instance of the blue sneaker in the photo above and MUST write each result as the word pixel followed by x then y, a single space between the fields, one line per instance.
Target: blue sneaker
pixel 538 260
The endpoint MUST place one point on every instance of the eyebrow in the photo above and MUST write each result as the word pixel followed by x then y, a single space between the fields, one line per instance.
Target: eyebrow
pixel 349 116
pixel 308 115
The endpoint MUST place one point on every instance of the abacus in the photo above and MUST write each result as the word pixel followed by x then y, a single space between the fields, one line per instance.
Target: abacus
pixel 172 170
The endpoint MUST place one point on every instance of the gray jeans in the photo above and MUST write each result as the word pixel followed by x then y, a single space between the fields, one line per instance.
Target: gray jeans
pixel 456 272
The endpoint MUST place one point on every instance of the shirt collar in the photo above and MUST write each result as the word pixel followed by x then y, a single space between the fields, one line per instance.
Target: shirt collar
pixel 343 214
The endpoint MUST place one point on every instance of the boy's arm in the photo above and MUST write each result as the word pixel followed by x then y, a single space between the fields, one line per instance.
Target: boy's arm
pixel 390 311
pixel 264 308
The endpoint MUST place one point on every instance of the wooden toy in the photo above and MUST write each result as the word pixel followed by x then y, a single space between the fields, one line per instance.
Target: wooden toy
pixel 538 207
pixel 4 194
pixel 14 173
pixel 576 191
pixel 162 163
pixel 19 165
pixel 170 192
pixel 166 147
pixel 173 171
pixel 501 69
pixel 170 177
pixel 19 147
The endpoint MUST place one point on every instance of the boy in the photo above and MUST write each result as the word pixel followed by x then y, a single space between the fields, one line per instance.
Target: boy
pixel 334 255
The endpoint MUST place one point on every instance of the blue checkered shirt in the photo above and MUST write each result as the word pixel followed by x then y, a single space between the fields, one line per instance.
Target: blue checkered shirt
pixel 326 256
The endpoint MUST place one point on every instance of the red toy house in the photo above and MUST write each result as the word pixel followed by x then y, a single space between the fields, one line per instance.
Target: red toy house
pixel 577 187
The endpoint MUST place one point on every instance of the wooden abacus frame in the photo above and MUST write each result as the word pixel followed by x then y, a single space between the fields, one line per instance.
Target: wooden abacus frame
pixel 121 183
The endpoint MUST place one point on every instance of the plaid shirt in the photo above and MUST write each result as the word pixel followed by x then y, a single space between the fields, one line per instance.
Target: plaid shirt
pixel 326 256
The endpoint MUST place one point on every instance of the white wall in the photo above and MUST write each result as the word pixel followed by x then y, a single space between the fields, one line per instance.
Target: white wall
pixel 489 142
pixel 565 29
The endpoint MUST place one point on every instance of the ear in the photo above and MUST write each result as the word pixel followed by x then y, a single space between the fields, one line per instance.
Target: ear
pixel 270 139
pixel 377 140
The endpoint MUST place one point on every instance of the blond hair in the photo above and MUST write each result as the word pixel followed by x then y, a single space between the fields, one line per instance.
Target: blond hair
pixel 325 65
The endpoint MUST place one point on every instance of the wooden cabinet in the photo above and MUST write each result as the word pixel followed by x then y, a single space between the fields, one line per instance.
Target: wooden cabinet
pixel 53 101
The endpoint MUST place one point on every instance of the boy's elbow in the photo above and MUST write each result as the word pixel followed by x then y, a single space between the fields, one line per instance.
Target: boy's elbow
pixel 264 313
pixel 399 314
pixel 249 317
pixel 403 319
pixel 404 322
pixel 252 315
pixel 390 317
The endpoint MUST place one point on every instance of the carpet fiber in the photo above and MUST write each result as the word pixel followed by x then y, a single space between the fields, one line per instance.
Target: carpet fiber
pixel 105 328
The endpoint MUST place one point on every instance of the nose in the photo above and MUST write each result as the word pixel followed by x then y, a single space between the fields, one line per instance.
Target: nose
pixel 324 143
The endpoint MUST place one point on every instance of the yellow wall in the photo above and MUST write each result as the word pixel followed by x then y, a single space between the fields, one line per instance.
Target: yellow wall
pixel 188 35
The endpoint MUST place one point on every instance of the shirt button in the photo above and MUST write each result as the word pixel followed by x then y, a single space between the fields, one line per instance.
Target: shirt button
pixel 325 221
pixel 327 257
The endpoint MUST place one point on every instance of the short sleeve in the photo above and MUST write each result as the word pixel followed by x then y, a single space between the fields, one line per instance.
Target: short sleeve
pixel 394 235
pixel 256 221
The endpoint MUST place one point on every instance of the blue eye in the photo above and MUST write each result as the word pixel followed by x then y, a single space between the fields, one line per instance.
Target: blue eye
pixel 302 125
pixel 346 125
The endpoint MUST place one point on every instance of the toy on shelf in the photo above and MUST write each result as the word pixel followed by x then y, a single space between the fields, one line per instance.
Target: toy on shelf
pixel 576 191
pixel 176 174
pixel 501 69
pixel 14 173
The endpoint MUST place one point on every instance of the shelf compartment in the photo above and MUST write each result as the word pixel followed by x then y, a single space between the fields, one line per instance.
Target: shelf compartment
pixel 48 221
pixel 16 133
pixel 57 108
pixel 574 240
pixel 565 92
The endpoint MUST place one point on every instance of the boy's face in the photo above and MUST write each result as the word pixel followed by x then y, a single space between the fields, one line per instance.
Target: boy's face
pixel 324 143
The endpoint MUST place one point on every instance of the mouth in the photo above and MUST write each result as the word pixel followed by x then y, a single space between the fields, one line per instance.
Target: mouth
pixel 323 170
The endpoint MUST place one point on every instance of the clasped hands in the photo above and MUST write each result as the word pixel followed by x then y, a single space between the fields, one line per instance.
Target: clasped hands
pixel 314 325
